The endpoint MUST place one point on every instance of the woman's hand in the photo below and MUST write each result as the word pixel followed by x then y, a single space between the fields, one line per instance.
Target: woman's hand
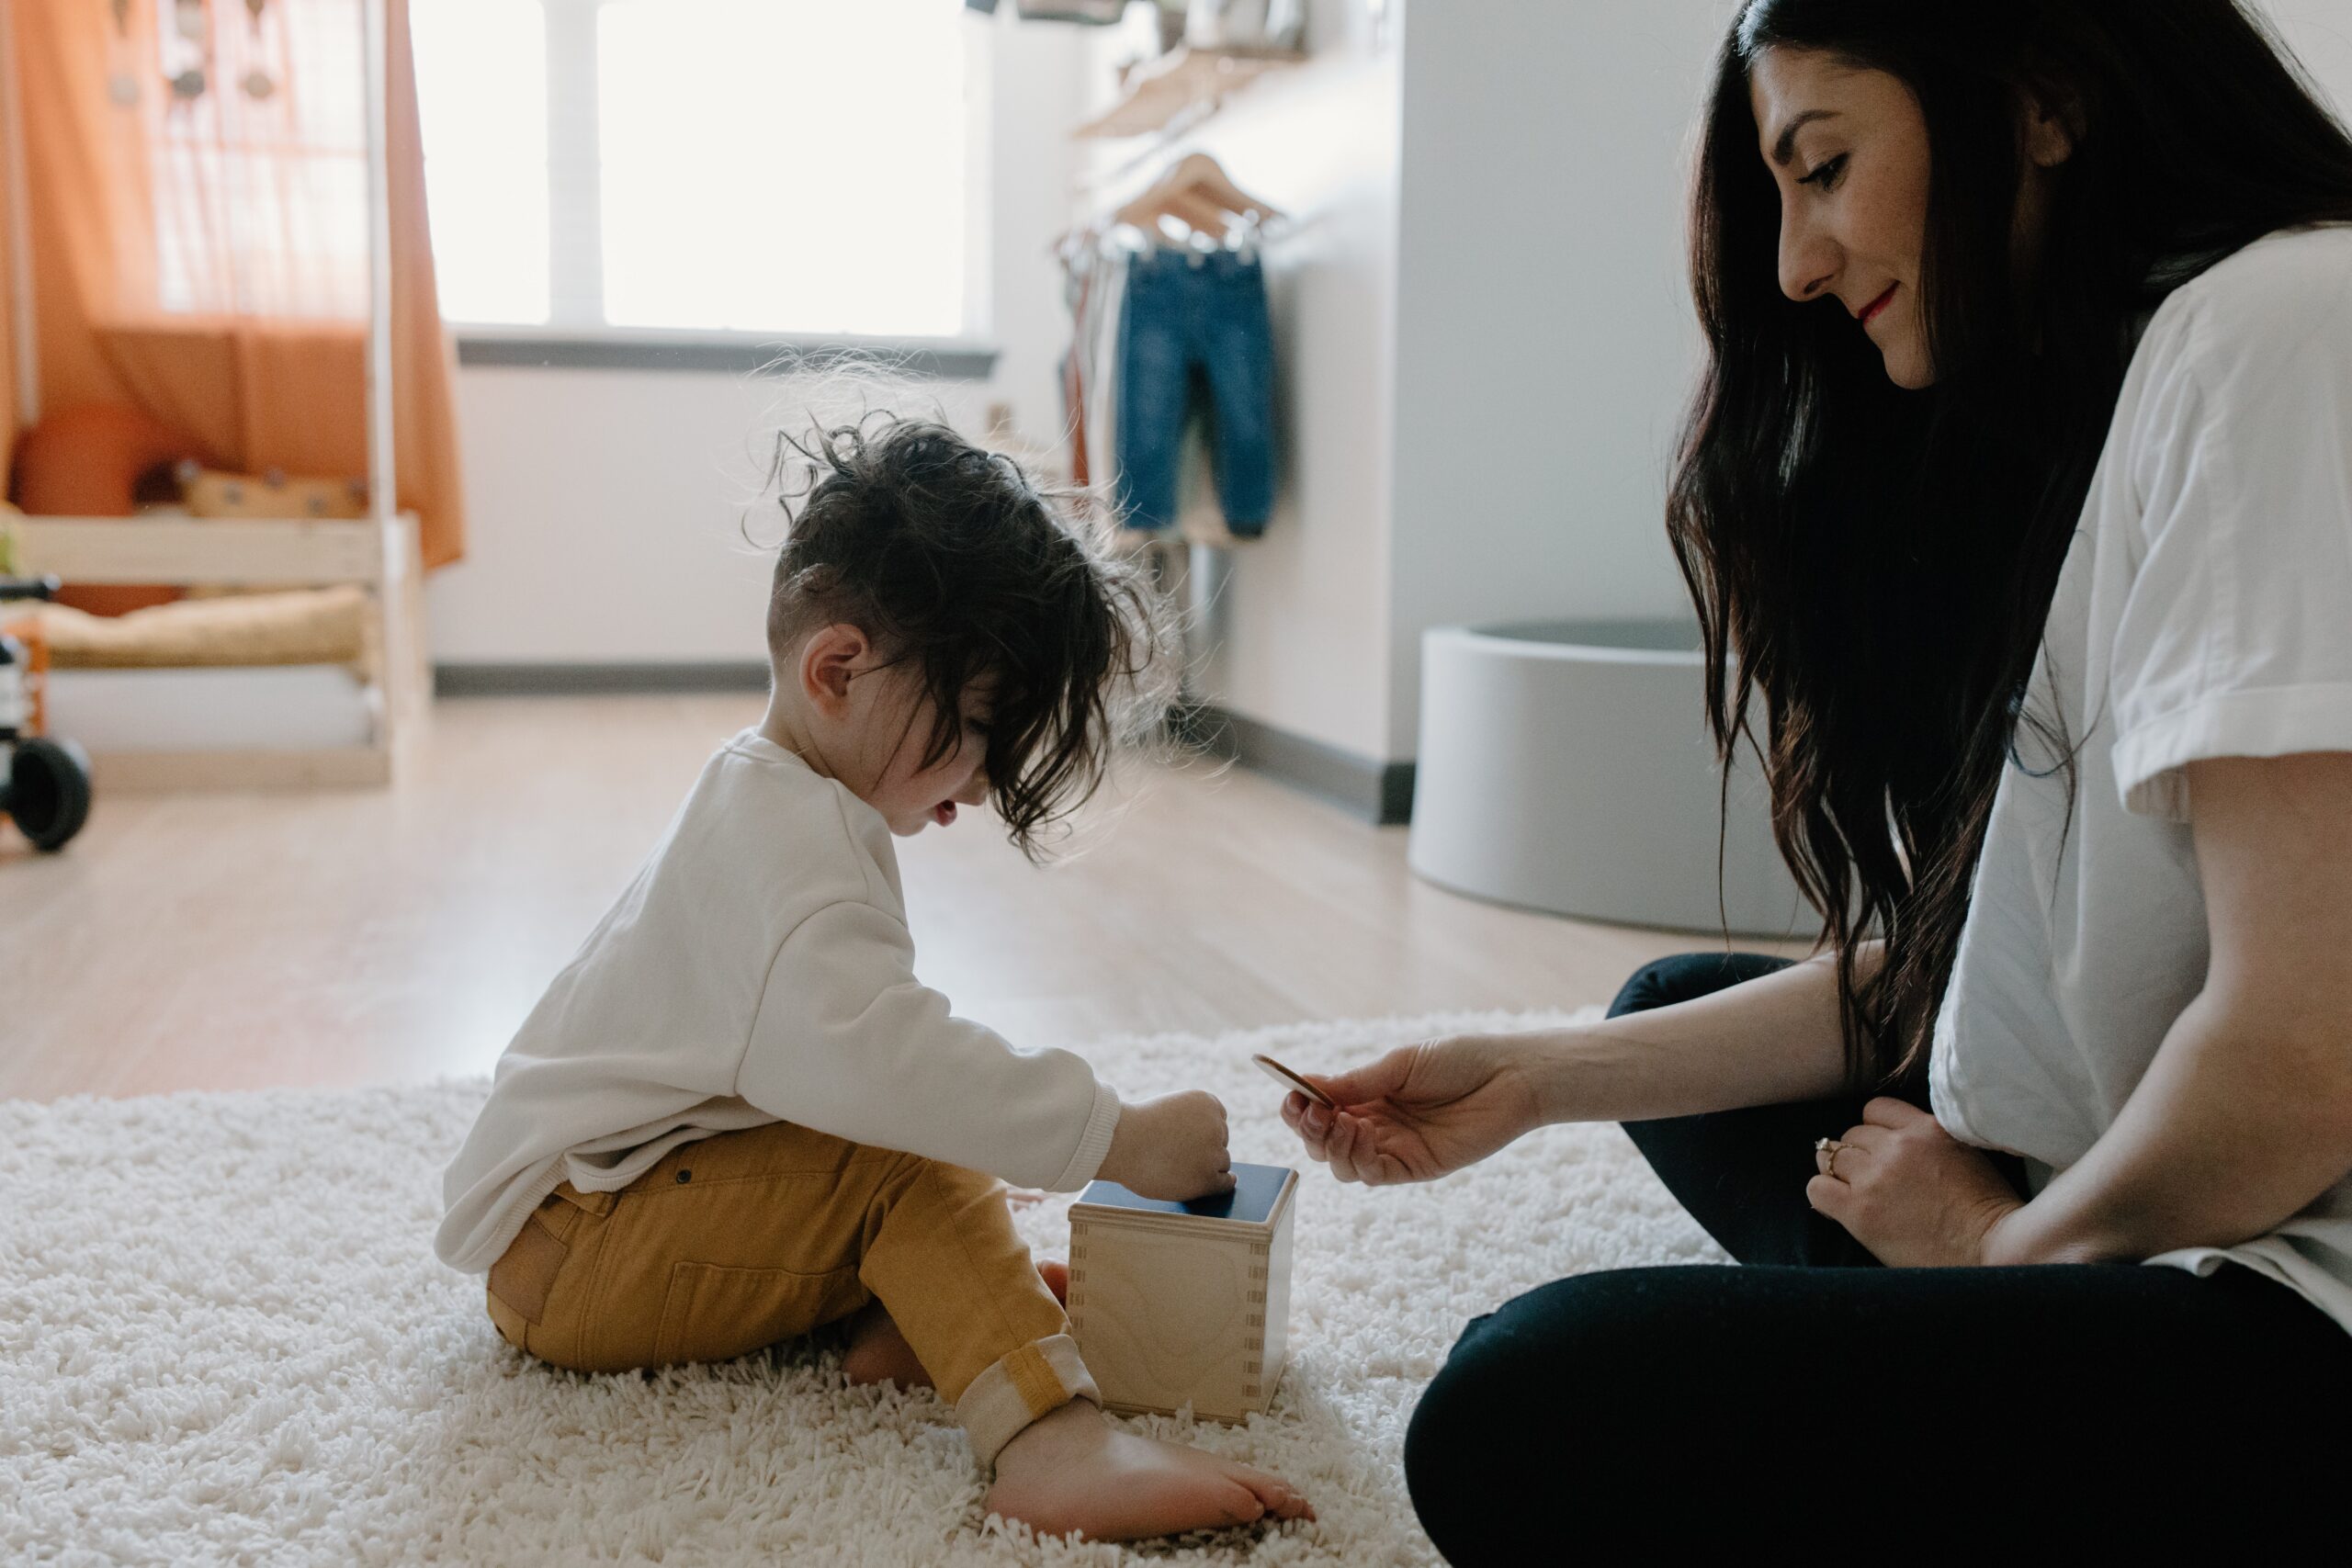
pixel 1418 1112
pixel 1911 1192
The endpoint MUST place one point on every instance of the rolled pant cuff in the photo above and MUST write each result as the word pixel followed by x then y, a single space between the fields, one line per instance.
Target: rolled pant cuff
pixel 1034 1381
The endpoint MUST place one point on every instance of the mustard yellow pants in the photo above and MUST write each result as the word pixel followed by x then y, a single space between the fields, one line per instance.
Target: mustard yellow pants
pixel 738 1241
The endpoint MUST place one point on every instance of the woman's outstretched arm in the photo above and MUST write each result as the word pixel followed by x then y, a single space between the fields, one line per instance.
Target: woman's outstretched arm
pixel 1425 1110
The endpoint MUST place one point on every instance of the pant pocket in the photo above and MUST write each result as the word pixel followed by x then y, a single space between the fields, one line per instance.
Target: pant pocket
pixel 522 1279
pixel 714 1312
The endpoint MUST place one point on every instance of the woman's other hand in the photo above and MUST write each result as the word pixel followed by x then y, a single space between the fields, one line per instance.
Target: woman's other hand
pixel 1911 1192
pixel 1418 1112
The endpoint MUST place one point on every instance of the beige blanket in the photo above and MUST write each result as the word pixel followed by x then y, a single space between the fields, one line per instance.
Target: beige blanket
pixel 307 626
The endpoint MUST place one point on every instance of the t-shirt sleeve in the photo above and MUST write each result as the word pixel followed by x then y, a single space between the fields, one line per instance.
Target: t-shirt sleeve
pixel 848 1042
pixel 2235 637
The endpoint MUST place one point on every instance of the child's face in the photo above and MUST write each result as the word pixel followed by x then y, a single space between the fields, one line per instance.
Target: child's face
pixel 894 731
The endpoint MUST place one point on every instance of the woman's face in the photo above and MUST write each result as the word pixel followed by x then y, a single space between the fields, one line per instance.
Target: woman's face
pixel 1849 150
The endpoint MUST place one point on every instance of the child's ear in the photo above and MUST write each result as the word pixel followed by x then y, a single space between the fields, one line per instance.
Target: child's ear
pixel 829 660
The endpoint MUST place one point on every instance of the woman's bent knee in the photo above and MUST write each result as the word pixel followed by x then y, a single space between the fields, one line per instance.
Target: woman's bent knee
pixel 1687 975
pixel 1535 1395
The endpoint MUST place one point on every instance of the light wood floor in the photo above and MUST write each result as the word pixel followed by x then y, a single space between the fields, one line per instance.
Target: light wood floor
pixel 238 941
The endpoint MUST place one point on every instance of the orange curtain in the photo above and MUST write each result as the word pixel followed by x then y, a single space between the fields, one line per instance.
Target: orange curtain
pixel 200 250
pixel 8 413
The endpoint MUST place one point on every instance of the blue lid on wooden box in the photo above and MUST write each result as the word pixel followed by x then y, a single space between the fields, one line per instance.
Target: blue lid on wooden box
pixel 1257 1190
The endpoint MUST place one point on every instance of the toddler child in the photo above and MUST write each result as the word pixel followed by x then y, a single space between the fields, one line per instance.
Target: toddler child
pixel 737 1115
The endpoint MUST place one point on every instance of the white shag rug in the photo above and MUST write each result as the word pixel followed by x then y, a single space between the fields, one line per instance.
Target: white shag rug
pixel 224 1340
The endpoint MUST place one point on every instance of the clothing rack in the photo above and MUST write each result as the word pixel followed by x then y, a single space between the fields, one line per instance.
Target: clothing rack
pixel 1193 207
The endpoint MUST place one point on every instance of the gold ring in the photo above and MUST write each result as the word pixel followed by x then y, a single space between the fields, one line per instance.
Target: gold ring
pixel 1833 1148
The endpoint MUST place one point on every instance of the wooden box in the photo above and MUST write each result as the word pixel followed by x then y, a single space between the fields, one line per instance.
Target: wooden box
pixel 1184 1303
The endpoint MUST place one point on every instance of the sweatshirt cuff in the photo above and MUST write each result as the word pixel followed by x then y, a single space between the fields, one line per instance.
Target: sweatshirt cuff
pixel 1094 1144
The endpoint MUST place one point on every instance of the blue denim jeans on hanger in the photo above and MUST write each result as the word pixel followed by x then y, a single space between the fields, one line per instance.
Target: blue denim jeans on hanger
pixel 1192 321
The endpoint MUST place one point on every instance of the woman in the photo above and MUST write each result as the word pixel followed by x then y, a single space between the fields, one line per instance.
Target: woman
pixel 2017 503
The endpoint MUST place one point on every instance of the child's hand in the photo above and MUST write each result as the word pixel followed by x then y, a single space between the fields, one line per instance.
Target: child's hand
pixel 1171 1147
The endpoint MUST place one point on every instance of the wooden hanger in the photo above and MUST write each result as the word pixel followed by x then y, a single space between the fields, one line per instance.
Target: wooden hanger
pixel 1197 193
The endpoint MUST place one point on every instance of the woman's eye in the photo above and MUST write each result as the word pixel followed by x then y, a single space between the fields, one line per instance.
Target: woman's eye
pixel 1825 177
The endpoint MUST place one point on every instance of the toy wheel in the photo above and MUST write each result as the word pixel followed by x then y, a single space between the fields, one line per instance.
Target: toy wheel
pixel 48 792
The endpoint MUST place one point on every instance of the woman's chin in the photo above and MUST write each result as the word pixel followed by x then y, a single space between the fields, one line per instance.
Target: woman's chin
pixel 1909 370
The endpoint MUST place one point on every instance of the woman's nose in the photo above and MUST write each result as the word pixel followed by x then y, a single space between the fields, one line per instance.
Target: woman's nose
pixel 1809 260
pixel 976 789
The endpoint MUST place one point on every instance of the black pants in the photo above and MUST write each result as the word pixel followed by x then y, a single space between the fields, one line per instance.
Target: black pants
pixel 1815 1400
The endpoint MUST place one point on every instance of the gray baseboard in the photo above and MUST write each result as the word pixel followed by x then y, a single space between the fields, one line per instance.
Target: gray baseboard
pixel 1380 792
pixel 585 680
pixel 719 353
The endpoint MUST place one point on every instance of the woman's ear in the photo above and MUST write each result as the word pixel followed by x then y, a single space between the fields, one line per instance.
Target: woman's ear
pixel 829 660
pixel 2052 127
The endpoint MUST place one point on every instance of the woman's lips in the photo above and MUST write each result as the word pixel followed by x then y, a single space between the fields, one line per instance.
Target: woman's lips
pixel 1871 312
pixel 944 813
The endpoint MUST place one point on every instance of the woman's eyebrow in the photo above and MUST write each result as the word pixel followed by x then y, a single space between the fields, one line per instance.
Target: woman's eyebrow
pixel 1786 147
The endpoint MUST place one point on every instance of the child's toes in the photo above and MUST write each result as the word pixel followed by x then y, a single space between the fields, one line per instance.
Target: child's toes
pixel 1241 1505
pixel 1275 1495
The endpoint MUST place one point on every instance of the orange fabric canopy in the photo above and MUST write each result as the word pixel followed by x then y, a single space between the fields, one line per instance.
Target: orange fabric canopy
pixel 196 255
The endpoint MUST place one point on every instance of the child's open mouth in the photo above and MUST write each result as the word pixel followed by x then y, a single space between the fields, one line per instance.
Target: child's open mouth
pixel 944 813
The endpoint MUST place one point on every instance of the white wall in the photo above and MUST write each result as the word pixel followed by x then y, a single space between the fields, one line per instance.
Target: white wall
pixel 605 504
pixel 1545 337
pixel 2320 32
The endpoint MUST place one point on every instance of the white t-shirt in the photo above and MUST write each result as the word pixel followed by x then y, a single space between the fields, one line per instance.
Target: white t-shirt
pixel 2205 610
pixel 758 970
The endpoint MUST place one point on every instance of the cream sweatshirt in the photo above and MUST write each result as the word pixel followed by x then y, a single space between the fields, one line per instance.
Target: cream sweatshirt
pixel 758 969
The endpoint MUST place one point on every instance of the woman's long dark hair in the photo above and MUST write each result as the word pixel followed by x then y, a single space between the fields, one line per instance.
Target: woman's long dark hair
pixel 1877 564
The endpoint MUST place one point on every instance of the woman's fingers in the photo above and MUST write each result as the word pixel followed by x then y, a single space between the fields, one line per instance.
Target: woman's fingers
pixel 1887 1112
pixel 1829 1195
pixel 1836 1162
pixel 1348 1143
pixel 1375 1080
pixel 1339 1147
pixel 1352 1148
pixel 1312 1122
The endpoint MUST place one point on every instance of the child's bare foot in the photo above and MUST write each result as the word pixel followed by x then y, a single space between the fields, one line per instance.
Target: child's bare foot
pixel 1074 1473
pixel 879 1353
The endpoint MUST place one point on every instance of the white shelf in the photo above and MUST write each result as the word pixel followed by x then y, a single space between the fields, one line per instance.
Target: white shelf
pixel 1182 79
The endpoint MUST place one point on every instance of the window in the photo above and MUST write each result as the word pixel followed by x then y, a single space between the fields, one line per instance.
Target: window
pixel 783 166
pixel 482 91
pixel 257 145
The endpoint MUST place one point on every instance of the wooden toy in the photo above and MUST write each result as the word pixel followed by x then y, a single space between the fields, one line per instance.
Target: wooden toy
pixel 1289 1079
pixel 1184 1303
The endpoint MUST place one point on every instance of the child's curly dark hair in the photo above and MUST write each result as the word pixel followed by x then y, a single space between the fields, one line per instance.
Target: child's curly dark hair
pixel 955 563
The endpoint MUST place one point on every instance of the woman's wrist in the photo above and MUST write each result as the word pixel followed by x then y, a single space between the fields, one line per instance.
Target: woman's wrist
pixel 1530 1063
pixel 2024 1236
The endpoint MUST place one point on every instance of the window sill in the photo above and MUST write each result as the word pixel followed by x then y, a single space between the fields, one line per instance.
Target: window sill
pixel 733 354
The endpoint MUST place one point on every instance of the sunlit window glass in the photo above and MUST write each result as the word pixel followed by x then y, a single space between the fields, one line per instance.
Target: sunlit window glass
pixel 786 165
pixel 481 87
